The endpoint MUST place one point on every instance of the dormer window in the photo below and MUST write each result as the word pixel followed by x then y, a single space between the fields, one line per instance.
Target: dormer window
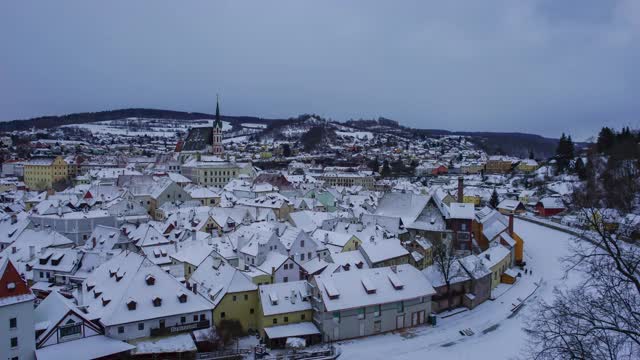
pixel 150 279
pixel 131 304
pixel 157 301
pixel 90 286
pixel 96 293
pixel 182 297
pixel 105 301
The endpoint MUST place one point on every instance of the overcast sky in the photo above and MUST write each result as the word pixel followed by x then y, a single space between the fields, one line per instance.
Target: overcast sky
pixel 543 66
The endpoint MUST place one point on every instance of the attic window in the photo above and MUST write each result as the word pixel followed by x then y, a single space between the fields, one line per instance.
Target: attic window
pixel 112 272
pixel 395 281
pixel 368 285
pixel 11 286
pixel 131 305
pixel 182 297
pixel 119 276
pixel 105 301
pixel 273 297
pixel 96 293
pixel 359 264
pixel 331 290
pixel 150 279
pixel 90 286
pixel 157 301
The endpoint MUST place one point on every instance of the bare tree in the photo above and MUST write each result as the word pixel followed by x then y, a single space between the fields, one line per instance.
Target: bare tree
pixel 444 257
pixel 600 317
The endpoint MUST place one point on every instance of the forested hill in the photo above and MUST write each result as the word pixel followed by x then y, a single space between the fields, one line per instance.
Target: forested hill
pixel 518 144
pixel 44 122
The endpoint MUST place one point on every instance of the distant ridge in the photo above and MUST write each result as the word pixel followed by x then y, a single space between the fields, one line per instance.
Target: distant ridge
pixel 508 143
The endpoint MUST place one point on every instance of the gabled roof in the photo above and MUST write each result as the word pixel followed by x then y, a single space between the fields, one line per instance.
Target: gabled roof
pixel 13 288
pixel 215 278
pixel 123 279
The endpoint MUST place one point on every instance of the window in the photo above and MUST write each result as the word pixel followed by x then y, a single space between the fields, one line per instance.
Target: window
pixel 234 298
pixel 13 323
pixel 251 311
pixel 183 319
pixel 361 313
pixel 246 297
pixel 376 326
pixel 286 279
pixel 161 324
pixel 301 257
pixel 336 316
pixel 195 317
pixel 14 342
pixel 378 311
pixel 70 329
pixel 222 315
pixel 301 243
pixel 302 316
pixel 275 320
pixel 286 319
pixel 140 326
pixel 120 329
pixel 309 256
pixel 400 306
pixel 203 317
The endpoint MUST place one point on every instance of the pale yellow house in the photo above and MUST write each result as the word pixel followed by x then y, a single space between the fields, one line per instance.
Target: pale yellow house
pixel 40 174
pixel 232 295
pixel 498 259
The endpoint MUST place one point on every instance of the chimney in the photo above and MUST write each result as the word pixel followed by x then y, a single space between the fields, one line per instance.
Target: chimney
pixel 511 224
pixel 195 288
pixel 194 235
pixel 93 242
pixel 460 189
pixel 13 249
pixel 14 219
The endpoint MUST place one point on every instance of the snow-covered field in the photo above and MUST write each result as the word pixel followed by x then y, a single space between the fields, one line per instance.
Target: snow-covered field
pixel 498 333
pixel 169 129
pixel 254 126
pixel 361 135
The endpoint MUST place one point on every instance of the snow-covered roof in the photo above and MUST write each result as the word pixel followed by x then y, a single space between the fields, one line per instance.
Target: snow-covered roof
pixel 461 211
pixel 282 298
pixel 344 290
pixel 125 278
pixel 380 251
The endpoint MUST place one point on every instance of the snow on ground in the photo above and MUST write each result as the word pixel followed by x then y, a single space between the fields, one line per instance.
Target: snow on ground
pixel 107 129
pixel 237 139
pixel 254 126
pixel 361 135
pixel 498 333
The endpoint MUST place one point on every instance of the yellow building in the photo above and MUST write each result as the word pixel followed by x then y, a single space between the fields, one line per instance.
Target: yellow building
pixel 232 295
pixel 498 259
pixel 280 305
pixel 528 166
pixel 40 174
pixel 240 305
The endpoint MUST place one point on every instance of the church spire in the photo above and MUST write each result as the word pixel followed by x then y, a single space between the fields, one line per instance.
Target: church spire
pixel 218 122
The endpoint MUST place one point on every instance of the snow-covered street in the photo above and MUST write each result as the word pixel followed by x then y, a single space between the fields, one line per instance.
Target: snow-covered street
pixel 498 332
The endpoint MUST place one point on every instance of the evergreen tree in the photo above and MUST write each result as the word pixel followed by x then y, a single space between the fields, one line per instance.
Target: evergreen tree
pixel 494 201
pixel 606 138
pixel 531 156
pixel 386 170
pixel 374 164
pixel 580 169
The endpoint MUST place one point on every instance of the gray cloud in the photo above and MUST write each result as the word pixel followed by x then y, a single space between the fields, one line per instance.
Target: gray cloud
pixel 538 66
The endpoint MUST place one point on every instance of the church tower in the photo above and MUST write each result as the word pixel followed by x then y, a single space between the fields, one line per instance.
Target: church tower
pixel 216 142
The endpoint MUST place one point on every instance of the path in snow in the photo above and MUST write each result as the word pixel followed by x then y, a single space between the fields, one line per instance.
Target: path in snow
pixel 498 333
